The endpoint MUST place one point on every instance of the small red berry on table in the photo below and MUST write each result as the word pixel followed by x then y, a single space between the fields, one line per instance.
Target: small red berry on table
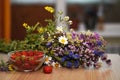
pixel 47 69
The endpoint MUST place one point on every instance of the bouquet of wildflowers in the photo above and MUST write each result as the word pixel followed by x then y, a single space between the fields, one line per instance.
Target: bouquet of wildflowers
pixel 75 49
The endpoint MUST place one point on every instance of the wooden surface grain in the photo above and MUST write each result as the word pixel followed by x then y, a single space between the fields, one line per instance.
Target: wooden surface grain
pixel 104 73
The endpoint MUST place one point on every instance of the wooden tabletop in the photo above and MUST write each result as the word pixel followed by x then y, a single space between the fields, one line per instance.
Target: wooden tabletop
pixel 104 73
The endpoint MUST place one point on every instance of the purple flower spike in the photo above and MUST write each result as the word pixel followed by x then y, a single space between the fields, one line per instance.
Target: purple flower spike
pixel 99 53
pixel 68 64
pixel 63 59
pixel 70 54
pixel 73 36
pixel 82 36
pixel 76 64
pixel 99 43
pixel 76 56
pixel 96 35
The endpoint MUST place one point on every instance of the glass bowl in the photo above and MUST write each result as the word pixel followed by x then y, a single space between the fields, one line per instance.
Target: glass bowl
pixel 26 60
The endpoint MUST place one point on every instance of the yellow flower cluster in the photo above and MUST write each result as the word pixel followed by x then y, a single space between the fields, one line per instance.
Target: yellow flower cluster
pixel 26 26
pixel 49 9
pixel 10 67
pixel 40 30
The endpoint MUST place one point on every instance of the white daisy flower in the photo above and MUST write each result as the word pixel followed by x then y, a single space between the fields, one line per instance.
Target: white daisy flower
pixel 63 40
pixel 47 60
pixel 60 28
pixel 56 64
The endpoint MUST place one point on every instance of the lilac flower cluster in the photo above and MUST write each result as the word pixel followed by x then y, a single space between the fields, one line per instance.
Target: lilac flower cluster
pixel 82 49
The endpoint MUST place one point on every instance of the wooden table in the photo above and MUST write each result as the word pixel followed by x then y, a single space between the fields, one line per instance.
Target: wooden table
pixel 104 73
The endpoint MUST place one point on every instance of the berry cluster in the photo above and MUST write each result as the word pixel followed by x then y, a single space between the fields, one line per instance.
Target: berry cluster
pixel 26 60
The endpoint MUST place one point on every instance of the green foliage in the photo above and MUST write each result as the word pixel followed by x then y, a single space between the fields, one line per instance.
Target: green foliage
pixel 34 40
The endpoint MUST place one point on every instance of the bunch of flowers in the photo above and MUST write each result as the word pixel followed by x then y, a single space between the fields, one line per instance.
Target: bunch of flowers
pixel 70 49
pixel 75 49
pixel 78 49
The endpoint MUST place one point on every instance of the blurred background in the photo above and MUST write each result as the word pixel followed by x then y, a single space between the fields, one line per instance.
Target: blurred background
pixel 102 16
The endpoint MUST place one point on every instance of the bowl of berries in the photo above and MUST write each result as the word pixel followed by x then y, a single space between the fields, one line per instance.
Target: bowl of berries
pixel 26 60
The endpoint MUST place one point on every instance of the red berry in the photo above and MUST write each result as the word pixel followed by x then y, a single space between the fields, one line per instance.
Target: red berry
pixel 18 62
pixel 32 62
pixel 30 53
pixel 36 58
pixel 26 59
pixel 27 66
pixel 13 57
pixel 24 53
pixel 40 54
pixel 47 69
pixel 18 54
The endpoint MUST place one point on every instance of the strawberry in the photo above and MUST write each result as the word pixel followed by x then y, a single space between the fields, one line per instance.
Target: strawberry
pixel 40 55
pixel 24 53
pixel 26 59
pixel 18 53
pixel 30 53
pixel 32 62
pixel 36 57
pixel 27 66
pixel 18 62
pixel 13 56
pixel 47 69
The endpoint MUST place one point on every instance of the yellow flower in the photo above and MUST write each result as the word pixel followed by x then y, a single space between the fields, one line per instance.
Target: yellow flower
pixel 40 30
pixel 26 26
pixel 10 67
pixel 63 40
pixel 49 9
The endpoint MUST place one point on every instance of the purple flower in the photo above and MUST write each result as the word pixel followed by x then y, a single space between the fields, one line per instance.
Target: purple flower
pixel 56 54
pixel 74 34
pixel 48 44
pixel 69 64
pixel 63 58
pixel 76 56
pixel 99 53
pixel 60 53
pixel 73 37
pixel 99 43
pixel 81 36
pixel 70 54
pixel 89 43
pixel 96 35
pixel 76 63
